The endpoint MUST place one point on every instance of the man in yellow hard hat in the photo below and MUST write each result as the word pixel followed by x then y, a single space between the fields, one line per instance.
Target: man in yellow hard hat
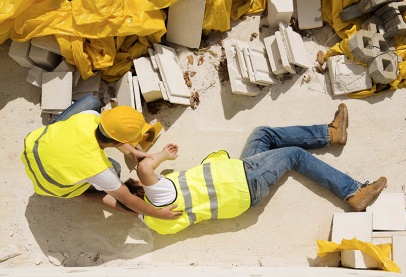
pixel 67 158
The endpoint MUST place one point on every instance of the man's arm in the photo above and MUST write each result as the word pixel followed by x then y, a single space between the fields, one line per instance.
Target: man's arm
pixel 132 152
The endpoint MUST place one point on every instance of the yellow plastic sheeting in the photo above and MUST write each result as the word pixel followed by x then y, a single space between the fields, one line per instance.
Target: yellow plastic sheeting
pixel 331 10
pixel 380 252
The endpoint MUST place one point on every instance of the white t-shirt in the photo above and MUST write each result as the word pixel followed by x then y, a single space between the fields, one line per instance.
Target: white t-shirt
pixel 106 180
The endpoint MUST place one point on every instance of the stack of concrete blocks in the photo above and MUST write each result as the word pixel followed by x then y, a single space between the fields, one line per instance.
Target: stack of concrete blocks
pixel 361 8
pixel 391 15
pixel 286 50
pixel 309 14
pixel 280 11
pixel 128 92
pixel 248 66
pixel 185 22
pixel 370 47
pixel 383 222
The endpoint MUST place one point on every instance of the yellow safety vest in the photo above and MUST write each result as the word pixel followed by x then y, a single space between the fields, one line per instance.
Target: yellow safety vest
pixel 216 189
pixel 58 156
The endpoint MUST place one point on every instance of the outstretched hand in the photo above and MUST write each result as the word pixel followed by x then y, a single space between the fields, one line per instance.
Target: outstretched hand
pixel 171 150
pixel 168 213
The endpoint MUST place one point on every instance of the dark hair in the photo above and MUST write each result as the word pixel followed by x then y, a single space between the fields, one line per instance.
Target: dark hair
pixel 102 138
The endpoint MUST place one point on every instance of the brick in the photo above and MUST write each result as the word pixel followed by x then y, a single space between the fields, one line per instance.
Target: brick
pixel 56 91
pixel 19 52
pixel 388 212
pixel 283 52
pixel 309 14
pixel 185 22
pixel 43 58
pixel 148 79
pixel 274 56
pixel 279 11
pixel 347 76
pixel 34 76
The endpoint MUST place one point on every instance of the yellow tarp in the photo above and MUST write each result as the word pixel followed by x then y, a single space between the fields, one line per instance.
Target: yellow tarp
pixel 104 35
pixel 331 10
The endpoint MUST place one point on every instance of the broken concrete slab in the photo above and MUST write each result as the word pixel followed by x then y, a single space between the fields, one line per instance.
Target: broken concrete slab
pixel 309 14
pixel 294 46
pixel 148 79
pixel 125 91
pixel 274 55
pixel 56 91
pixel 259 70
pixel 43 58
pixel 137 94
pixel 283 53
pixel 347 76
pixel 185 22
pixel 279 11
pixel 239 48
pixel 19 51
pixel 48 43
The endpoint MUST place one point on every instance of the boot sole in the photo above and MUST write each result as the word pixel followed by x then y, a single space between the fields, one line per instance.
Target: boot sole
pixel 343 130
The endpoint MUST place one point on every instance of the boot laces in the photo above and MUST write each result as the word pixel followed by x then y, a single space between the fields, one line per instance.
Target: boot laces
pixel 365 184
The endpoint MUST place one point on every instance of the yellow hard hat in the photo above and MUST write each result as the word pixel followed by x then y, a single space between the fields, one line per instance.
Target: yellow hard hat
pixel 123 123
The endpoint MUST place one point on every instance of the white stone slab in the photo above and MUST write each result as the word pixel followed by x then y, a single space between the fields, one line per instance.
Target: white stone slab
pixel 148 79
pixel 56 91
pixel 399 252
pixel 239 48
pixel 137 94
pixel 352 225
pixel 43 58
pixel 309 14
pixel 274 56
pixel 294 45
pixel 170 70
pixel 125 91
pixel 185 22
pixel 279 10
pixel 48 43
pixel 283 53
pixel 19 51
pixel 91 84
pixel 347 76
pixel 34 76
pixel 388 212
pixel 258 66
pixel 238 84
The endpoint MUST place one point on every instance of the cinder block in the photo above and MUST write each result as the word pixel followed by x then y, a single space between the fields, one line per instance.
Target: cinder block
pixel 309 14
pixel 283 53
pixel 19 51
pixel 347 76
pixel 137 94
pixel 366 45
pixel 185 22
pixel 384 68
pixel 48 43
pixel 388 212
pixel 34 76
pixel 259 70
pixel 125 91
pixel 399 252
pixel 294 45
pixel 239 85
pixel 148 79
pixel 43 58
pixel 279 11
pixel 91 84
pixel 56 91
pixel 274 56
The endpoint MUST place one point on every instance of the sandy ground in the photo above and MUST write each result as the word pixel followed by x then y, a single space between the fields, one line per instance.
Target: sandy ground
pixel 281 232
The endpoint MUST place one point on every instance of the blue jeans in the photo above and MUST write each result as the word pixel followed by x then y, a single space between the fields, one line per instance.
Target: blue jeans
pixel 86 103
pixel 270 152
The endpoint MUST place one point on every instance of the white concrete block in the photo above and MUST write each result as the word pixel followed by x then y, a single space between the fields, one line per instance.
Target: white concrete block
pixel 170 70
pixel 294 45
pixel 148 79
pixel 399 252
pixel 239 48
pixel 352 225
pixel 239 85
pixel 258 66
pixel 185 22
pixel 64 66
pixel 358 259
pixel 283 53
pixel 388 212
pixel 43 58
pixel 274 56
pixel 279 11
pixel 56 91
pixel 347 76
pixel 91 84
pixel 19 51
pixel 125 91
pixel 137 94
pixel 48 43
pixel 34 75
pixel 309 14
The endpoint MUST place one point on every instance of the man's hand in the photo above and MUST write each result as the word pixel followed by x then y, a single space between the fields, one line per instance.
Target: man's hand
pixel 133 153
pixel 168 213
pixel 171 151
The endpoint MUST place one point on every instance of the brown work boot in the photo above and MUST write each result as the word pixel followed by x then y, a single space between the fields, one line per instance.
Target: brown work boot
pixel 338 127
pixel 366 194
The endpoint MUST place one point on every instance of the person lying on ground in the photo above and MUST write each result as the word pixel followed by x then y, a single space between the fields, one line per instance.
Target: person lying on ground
pixel 67 157
pixel 221 187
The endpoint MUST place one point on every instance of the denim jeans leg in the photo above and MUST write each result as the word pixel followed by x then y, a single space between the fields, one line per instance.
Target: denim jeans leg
pixel 264 138
pixel 266 168
pixel 88 102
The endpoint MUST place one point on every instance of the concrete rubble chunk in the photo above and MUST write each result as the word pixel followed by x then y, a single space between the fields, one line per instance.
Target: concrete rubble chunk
pixel 384 68
pixel 274 55
pixel 34 76
pixel 309 14
pixel 48 43
pixel 279 11
pixel 56 91
pixel 43 58
pixel 19 51
pixel 148 79
pixel 185 22
pixel 9 252
pixel 347 76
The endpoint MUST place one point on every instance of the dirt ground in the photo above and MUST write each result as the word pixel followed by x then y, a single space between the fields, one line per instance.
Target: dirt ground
pixel 281 232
